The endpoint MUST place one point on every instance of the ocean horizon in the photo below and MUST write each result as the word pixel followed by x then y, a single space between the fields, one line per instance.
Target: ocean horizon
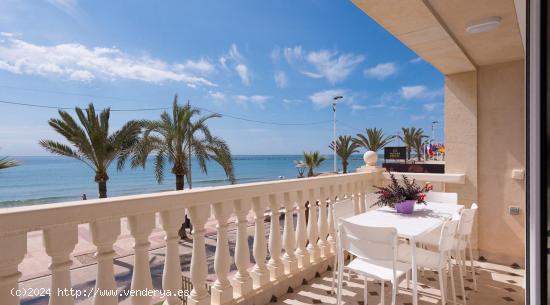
pixel 53 179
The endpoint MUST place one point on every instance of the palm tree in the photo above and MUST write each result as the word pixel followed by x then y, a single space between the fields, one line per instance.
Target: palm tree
pixel 6 162
pixel 374 140
pixel 176 138
pixel 345 147
pixel 91 143
pixel 313 160
pixel 411 137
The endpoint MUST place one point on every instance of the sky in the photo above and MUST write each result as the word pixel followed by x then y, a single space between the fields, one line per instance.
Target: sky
pixel 271 61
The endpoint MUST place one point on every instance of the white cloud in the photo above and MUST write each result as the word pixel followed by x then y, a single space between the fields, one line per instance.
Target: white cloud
pixel 216 96
pixel 258 100
pixel 235 60
pixel 382 71
pixel 335 68
pixel 70 7
pixel 410 92
pixel 430 106
pixel 292 54
pixel 202 66
pixel 312 74
pixel 419 92
pixel 6 34
pixel 280 79
pixel 275 54
pixel 358 107
pixel 418 117
pixel 323 99
pixel 242 71
pixel 78 62
pixel 416 60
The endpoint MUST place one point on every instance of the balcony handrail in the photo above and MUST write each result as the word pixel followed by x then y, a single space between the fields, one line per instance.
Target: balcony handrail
pixel 301 251
pixel 38 217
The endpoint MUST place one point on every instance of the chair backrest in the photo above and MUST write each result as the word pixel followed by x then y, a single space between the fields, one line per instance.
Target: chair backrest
pixel 448 233
pixel 442 197
pixel 342 209
pixel 370 243
pixel 466 224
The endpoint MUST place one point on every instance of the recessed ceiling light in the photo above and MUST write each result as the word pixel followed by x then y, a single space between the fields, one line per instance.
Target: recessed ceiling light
pixel 483 25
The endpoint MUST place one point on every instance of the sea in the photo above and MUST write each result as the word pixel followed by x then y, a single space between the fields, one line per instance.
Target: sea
pixel 51 179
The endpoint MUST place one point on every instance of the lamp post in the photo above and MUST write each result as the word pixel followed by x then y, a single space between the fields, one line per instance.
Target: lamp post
pixel 334 99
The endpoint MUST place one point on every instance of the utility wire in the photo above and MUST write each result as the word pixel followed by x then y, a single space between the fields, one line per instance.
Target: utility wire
pixel 68 108
pixel 164 108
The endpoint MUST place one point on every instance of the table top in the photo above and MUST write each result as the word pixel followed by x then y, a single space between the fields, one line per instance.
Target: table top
pixel 424 218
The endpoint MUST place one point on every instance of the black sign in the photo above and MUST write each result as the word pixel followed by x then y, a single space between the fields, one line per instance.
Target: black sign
pixel 395 153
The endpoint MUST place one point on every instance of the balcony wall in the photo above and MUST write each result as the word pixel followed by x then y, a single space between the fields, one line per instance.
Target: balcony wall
pixel 292 257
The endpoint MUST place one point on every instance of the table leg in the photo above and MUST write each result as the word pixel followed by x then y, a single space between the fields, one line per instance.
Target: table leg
pixel 414 273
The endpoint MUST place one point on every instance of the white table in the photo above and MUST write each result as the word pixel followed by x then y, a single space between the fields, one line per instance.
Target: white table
pixel 424 219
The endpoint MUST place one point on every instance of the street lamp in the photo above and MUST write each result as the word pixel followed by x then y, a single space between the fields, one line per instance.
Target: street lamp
pixel 334 99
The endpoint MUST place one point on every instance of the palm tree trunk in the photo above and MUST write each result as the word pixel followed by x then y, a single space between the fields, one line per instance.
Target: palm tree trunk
pixel 102 186
pixel 179 182
pixel 310 172
pixel 345 167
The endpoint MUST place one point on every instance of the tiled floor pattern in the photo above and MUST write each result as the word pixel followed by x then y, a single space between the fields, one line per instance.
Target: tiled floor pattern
pixel 496 285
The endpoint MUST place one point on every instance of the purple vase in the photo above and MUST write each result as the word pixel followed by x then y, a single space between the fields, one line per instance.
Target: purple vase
pixel 405 206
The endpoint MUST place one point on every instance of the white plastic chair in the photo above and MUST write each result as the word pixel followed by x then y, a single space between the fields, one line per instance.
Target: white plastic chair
pixel 376 252
pixel 464 242
pixel 340 210
pixel 439 260
pixel 442 197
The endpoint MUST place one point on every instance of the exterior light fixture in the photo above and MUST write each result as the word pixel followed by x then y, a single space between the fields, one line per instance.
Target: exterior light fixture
pixel 483 25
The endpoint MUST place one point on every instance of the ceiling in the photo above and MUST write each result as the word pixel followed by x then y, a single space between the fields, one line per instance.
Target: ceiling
pixel 435 30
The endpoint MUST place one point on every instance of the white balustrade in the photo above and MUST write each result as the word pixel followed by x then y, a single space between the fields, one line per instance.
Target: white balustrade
pixel 275 264
pixel 242 282
pixel 199 267
pixel 104 234
pixel 289 242
pixel 141 226
pixel 260 273
pixel 14 247
pixel 222 291
pixel 171 278
pixel 305 243
pixel 331 239
pixel 312 230
pixel 324 247
pixel 301 232
pixel 59 249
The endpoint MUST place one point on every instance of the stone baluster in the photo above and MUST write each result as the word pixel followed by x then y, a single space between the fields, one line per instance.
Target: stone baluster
pixel 222 291
pixel 13 251
pixel 171 276
pixel 312 231
pixel 199 266
pixel 260 273
pixel 331 226
pixel 324 247
pixel 242 282
pixel 141 226
pixel 59 242
pixel 289 242
pixel 356 198
pixel 301 232
pixel 104 234
pixel 363 196
pixel 275 265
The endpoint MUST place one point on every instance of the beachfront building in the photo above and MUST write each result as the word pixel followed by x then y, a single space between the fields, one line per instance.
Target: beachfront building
pixel 480 47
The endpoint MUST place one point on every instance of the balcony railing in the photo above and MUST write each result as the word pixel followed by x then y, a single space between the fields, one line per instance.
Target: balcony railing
pixel 303 249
